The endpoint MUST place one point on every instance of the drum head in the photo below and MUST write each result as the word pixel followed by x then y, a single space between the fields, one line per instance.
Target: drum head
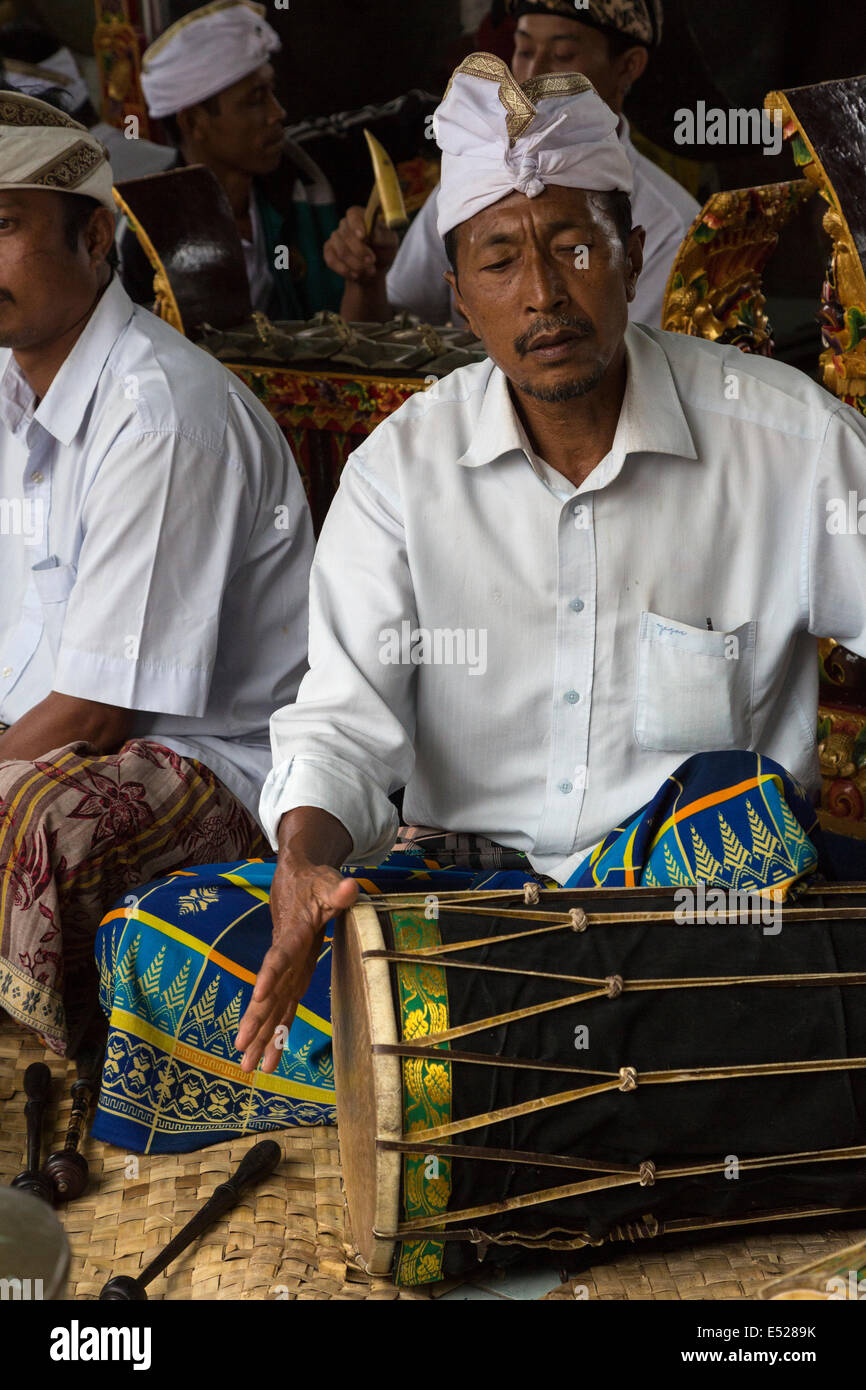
pixel 368 1086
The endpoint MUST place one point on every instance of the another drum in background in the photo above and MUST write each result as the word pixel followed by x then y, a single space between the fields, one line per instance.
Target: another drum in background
pixel 592 1068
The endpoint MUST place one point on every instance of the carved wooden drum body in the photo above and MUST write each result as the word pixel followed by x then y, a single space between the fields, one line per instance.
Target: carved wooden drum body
pixel 593 1067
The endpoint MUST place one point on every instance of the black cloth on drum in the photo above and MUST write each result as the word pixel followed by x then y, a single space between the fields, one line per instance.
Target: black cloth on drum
pixel 694 1121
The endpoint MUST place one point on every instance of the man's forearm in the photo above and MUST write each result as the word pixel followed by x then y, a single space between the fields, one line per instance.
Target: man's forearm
pixel 366 303
pixel 308 834
pixel 61 719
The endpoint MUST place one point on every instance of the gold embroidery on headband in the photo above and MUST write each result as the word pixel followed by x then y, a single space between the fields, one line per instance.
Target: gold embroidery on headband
pixel 213 8
pixel 71 169
pixel 57 79
pixel 24 111
pixel 520 112
pixel 519 99
pixel 556 84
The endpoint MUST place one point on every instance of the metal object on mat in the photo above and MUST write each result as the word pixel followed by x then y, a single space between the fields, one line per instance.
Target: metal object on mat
pixel 34 1251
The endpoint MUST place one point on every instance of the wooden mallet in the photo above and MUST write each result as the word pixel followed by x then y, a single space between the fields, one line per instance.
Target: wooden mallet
pixel 37 1085
pixel 66 1169
pixel 256 1164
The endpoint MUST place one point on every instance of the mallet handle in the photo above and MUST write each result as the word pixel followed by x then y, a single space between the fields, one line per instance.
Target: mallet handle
pixel 256 1164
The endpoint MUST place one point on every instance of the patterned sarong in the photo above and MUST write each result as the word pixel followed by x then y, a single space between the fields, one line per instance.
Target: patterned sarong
pixel 730 820
pixel 178 967
pixel 76 831
pixel 177 970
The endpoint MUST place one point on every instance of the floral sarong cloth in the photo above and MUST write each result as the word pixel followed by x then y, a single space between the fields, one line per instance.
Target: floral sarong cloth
pixel 77 830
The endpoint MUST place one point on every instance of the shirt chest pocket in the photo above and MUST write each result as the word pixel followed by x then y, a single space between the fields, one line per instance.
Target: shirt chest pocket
pixel 694 687
pixel 54 583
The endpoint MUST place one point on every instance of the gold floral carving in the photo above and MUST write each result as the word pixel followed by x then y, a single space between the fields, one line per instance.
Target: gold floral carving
pixel 714 289
pixel 843 361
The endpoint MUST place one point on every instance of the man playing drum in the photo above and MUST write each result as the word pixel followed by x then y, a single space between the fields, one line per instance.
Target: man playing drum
pixel 556 575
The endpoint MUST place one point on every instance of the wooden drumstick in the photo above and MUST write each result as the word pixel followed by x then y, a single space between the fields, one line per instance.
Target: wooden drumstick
pixel 66 1169
pixel 256 1164
pixel 37 1085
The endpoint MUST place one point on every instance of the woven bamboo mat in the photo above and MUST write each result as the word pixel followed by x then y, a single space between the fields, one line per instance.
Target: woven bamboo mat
pixel 289 1237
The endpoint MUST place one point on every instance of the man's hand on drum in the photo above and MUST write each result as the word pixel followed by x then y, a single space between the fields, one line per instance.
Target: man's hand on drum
pixel 305 894
pixel 358 258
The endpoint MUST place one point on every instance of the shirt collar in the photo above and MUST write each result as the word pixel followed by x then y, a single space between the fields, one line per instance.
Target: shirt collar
pixel 651 419
pixel 62 408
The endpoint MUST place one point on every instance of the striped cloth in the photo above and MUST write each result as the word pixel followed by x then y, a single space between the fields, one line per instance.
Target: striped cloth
pixel 177 969
pixel 76 831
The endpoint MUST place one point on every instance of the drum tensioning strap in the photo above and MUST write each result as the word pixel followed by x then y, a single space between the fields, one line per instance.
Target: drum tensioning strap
pixel 422 1231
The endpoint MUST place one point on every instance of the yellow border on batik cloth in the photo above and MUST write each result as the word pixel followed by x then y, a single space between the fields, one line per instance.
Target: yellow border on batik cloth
pixel 423 995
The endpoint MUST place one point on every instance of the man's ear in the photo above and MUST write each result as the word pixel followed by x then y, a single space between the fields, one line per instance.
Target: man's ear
pixel 634 259
pixel 99 235
pixel 459 301
pixel 628 68
pixel 190 123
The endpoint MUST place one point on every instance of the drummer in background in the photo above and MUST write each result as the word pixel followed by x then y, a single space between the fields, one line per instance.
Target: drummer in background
pixel 610 41
pixel 614 537
pixel 209 80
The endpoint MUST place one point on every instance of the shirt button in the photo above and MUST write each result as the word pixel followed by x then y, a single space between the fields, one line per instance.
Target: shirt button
pixel 572 697
pixel 7 672
pixel 577 605
pixel 566 787
pixel 37 477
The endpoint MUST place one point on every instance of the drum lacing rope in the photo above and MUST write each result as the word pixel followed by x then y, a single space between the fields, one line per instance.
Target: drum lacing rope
pixel 647 1173
pixel 614 986
pixel 628 1078
pixel 530 894
pixel 578 919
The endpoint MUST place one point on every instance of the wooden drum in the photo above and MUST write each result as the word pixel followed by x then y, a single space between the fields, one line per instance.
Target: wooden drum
pixel 556 1069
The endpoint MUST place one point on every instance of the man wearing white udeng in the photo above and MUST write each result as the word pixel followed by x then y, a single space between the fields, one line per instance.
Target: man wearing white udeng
pixel 636 521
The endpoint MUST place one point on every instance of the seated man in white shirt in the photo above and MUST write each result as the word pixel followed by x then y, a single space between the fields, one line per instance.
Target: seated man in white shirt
pixel 629 525
pixel 154 560
pixel 209 79
pixel 610 42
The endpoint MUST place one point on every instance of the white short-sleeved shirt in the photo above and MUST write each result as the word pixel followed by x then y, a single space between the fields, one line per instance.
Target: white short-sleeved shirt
pixel 155 544
pixel 569 665
pixel 658 203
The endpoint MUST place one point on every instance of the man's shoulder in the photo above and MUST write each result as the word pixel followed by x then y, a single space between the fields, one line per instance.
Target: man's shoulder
pixel 433 424
pixel 719 378
pixel 656 194
pixel 176 387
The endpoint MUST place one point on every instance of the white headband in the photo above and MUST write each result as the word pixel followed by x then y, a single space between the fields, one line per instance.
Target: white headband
pixel 40 147
pixel 59 69
pixel 205 52
pixel 498 137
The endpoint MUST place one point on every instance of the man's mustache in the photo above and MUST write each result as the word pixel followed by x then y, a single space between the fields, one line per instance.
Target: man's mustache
pixel 542 327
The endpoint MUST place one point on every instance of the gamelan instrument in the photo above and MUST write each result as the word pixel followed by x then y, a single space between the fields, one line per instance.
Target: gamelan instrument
pixel 558 1069
pixel 386 199
pixel 67 1169
pixel 37 1087
pixel 257 1163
